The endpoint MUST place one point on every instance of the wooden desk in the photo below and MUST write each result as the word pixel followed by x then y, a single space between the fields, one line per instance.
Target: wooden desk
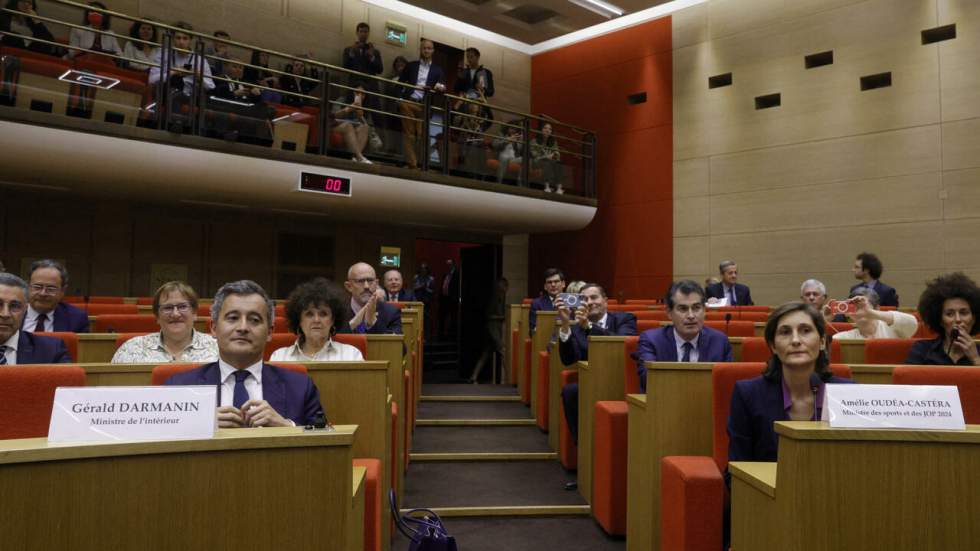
pixel 176 494
pixel 639 473
pixel 355 522
pixel 542 337
pixel 512 321
pixel 870 489
pixel 601 378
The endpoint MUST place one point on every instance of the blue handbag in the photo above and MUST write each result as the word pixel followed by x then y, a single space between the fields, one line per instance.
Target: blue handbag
pixel 427 532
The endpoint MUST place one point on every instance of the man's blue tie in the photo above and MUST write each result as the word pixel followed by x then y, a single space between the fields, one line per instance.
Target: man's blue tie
pixel 731 296
pixel 3 355
pixel 241 395
pixel 687 352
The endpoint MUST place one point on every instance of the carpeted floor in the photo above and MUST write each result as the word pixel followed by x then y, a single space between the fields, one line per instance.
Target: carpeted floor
pixel 473 410
pixel 525 534
pixel 447 389
pixel 478 439
pixel 487 484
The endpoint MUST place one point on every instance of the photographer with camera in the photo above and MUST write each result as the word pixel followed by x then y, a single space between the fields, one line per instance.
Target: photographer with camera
pixel 870 322
pixel 554 283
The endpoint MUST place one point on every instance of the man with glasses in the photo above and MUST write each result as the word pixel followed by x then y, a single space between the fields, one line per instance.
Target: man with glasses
pixel 687 339
pixel 45 311
pixel 554 283
pixel 21 347
pixel 369 313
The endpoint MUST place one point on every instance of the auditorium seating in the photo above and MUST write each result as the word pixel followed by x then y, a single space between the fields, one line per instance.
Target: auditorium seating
pixel 609 464
pixel 27 397
pixel 887 351
pixel 733 328
pixel 755 349
pixel 105 300
pixel 38 87
pixel 567 450
pixel 541 413
pixel 527 372
pixel 125 323
pixel 101 309
pixel 966 379
pixel 372 503
pixel 70 340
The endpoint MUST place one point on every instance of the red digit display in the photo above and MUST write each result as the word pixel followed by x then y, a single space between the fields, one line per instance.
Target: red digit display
pixel 334 185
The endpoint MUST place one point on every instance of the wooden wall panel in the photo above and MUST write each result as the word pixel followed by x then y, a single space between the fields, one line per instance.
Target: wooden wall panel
pixel 959 59
pixel 961 144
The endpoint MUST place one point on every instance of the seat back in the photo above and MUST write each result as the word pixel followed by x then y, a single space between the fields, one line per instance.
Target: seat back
pixel 277 341
pixel 125 323
pixel 356 340
pixel 755 349
pixel 162 372
pixel 887 351
pixel 105 300
pixel 733 328
pixel 631 377
pixel 70 340
pixel 99 309
pixel 527 300
pixel 645 301
pixel 292 366
pixel 966 379
pixel 723 379
pixel 646 325
pixel 659 315
pixel 27 396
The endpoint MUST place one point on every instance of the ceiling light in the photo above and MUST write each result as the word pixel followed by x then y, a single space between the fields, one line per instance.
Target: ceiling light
pixel 604 9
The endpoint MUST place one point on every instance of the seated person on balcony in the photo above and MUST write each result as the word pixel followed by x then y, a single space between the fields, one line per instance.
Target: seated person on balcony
pixel 948 306
pixel 92 39
pixel 257 73
pixel 546 158
pixel 554 283
pixel 137 49
pixel 427 76
pixel 509 148
pixel 874 324
pixel 394 288
pixel 16 345
pixel 175 307
pixel 251 393
pixel 45 311
pixel 591 319
pixel 350 121
pixel 181 76
pixel 368 312
pixel 296 85
pixel 314 311
pixel 26 25
pixel 687 339
pixel 218 52
pixel 252 120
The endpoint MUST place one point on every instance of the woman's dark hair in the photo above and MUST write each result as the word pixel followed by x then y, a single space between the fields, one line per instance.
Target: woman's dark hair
pixel 318 292
pixel 12 5
pixel 550 141
pixel 394 63
pixel 939 290
pixel 774 368
pixel 134 32
pixel 106 18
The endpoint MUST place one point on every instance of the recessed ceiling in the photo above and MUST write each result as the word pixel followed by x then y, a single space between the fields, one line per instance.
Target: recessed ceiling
pixel 529 21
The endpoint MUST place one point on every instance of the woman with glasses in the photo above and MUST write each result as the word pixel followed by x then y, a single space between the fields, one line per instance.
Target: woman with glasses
pixel 175 307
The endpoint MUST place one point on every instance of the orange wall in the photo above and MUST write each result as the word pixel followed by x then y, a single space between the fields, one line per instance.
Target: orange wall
pixel 628 246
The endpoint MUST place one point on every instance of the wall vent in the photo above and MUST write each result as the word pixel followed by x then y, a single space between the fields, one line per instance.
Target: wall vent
pixel 767 101
pixel 718 81
pixel 813 61
pixel 880 80
pixel 938 34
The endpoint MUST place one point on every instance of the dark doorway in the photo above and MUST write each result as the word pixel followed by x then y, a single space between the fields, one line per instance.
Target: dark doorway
pixel 479 270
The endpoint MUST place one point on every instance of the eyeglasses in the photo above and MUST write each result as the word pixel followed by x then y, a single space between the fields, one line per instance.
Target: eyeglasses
pixel 44 289
pixel 365 280
pixel 181 308
pixel 14 307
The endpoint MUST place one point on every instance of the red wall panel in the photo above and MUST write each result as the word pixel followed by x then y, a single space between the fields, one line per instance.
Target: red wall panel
pixel 628 247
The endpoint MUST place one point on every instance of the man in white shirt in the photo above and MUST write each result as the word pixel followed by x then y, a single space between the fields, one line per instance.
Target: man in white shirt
pixel 251 392
pixel 423 75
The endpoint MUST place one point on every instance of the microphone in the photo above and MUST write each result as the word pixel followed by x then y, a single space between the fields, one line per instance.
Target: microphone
pixel 728 318
pixel 953 335
pixel 319 420
pixel 815 383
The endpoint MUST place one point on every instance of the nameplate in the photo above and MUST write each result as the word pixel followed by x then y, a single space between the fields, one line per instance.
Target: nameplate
pixel 115 413
pixel 893 407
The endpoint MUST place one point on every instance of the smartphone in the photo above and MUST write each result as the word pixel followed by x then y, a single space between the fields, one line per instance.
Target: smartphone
pixel 842 307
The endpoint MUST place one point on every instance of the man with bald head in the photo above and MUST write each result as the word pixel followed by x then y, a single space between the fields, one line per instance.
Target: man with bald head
pixel 369 313
pixel 395 290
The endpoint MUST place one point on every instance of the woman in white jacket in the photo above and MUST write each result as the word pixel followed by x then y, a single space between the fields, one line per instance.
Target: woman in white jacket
pixel 872 323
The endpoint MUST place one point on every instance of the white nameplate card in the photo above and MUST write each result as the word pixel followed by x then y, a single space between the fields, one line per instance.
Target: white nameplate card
pixel 893 407
pixel 115 413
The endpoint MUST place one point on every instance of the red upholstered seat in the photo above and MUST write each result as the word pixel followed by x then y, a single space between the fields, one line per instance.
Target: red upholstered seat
pixel 966 379
pixel 356 340
pixel 567 450
pixel 372 503
pixel 660 315
pixel 98 309
pixel 144 301
pixel 277 341
pixel 27 396
pixel 527 300
pixel 755 349
pixel 394 446
pixel 76 300
pixel 162 372
pixel 526 373
pixel 295 367
pixel 609 465
pixel 644 301
pixel 647 324
pixel 105 300
pixel 407 385
pixel 125 323
pixel 70 340
pixel 541 413
pixel 887 351
pixel 733 328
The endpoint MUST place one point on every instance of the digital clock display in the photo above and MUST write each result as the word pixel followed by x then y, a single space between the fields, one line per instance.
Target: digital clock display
pixel 320 183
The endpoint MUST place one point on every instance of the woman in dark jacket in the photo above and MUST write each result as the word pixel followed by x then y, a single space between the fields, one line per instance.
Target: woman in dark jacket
pixel 948 306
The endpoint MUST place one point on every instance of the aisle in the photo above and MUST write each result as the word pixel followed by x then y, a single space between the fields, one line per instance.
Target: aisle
pixel 480 462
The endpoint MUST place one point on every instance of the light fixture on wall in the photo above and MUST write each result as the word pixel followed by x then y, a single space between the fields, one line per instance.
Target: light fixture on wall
pixel 604 9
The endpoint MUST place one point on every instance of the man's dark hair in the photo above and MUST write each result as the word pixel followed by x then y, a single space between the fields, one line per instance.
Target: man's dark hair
pixel 363 25
pixel 184 25
pixel 551 272
pixel 48 263
pixel 943 288
pixel 684 287
pixel 243 287
pixel 774 368
pixel 870 262
pixel 221 34
pixel 597 286
pixel 318 292
pixel 726 264
pixel 474 50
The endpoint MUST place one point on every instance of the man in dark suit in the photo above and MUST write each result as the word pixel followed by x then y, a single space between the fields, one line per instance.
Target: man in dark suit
pixel 394 289
pixel 687 340
pixel 867 269
pixel 475 78
pixel 46 312
pixel 369 313
pixel 426 75
pixel 736 293
pixel 251 393
pixel 590 320
pixel 554 284
pixel 21 347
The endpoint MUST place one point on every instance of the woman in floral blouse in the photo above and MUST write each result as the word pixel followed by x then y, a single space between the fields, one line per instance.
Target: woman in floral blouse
pixel 175 307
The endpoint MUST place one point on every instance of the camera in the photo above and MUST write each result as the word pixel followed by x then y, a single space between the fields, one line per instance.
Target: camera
pixel 842 307
pixel 572 300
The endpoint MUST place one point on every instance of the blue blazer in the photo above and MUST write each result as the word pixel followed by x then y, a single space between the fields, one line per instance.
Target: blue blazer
pixel 743 296
pixel 411 75
pixel 389 321
pixel 292 395
pixel 886 294
pixel 404 296
pixel 38 349
pixel 68 319
pixel 543 302
pixel 577 346
pixel 757 404
pixel 659 345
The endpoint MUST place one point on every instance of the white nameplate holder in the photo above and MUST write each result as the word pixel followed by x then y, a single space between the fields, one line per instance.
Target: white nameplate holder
pixel 118 413
pixel 893 407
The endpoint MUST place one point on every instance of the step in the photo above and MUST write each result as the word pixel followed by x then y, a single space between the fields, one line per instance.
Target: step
pixel 474 422
pixel 475 439
pixel 512 511
pixel 448 389
pixel 483 456
pixel 473 410
pixel 473 398
pixel 488 484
